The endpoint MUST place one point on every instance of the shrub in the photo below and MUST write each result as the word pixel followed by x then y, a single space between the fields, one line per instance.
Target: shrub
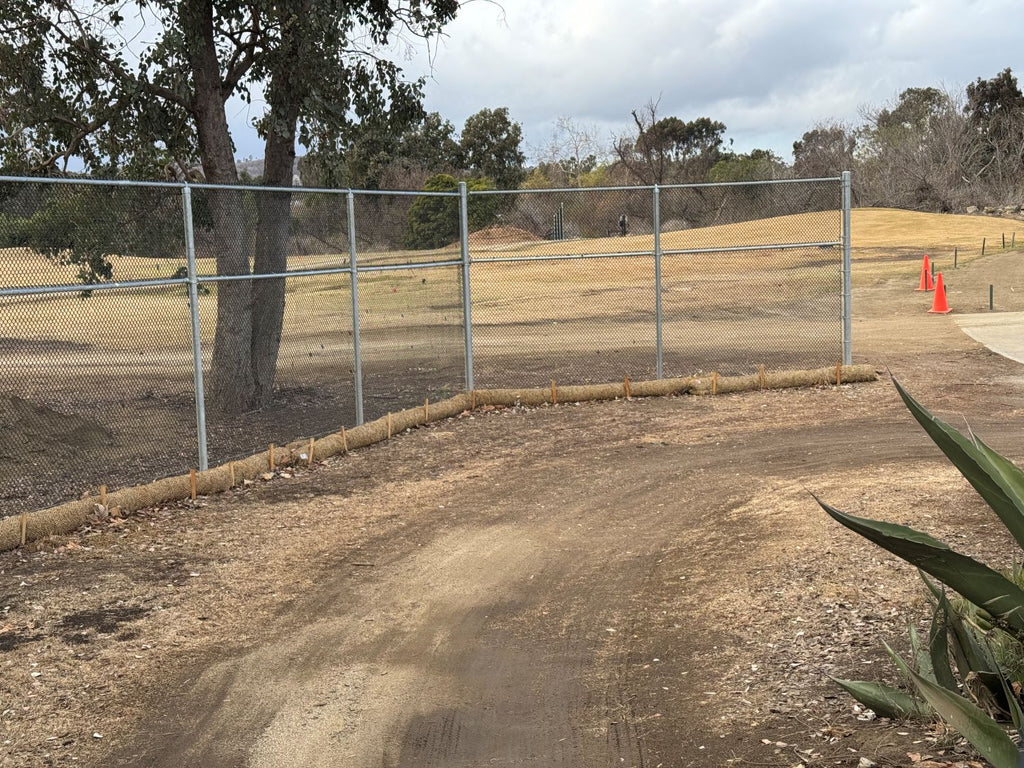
pixel 434 219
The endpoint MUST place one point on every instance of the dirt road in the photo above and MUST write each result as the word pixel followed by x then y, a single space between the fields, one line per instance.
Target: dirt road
pixel 641 583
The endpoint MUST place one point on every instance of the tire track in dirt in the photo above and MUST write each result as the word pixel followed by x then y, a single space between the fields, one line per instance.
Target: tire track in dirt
pixel 513 623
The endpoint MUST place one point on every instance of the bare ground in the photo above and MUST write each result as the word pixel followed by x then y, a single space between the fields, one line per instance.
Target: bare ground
pixel 642 583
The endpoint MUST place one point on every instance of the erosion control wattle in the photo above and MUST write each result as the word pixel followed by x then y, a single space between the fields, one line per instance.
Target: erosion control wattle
pixel 65 518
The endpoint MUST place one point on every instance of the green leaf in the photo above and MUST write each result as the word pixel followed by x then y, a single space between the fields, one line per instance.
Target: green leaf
pixel 999 481
pixel 938 646
pixel 984 733
pixel 922 656
pixel 975 581
pixel 884 700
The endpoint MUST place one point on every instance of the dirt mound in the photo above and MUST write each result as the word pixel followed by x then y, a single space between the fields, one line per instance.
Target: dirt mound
pixel 500 235
pixel 31 429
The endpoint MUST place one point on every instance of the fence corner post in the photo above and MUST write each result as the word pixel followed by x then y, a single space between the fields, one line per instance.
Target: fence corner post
pixel 847 278
pixel 467 304
pixel 658 332
pixel 193 303
pixel 357 357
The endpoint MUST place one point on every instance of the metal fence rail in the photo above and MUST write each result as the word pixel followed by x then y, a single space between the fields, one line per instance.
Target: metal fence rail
pixel 120 302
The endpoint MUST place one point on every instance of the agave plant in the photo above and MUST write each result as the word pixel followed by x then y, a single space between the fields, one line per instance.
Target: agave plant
pixel 966 631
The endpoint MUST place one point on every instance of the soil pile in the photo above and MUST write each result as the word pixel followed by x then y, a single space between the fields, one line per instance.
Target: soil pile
pixel 34 429
pixel 502 235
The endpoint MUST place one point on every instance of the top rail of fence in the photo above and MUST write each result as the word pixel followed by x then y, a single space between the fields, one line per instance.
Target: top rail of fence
pixel 398 192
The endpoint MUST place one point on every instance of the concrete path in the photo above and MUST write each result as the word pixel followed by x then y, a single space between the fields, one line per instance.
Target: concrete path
pixel 1002 332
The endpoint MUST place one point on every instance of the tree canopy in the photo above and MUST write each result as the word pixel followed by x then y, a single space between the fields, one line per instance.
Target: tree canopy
pixel 139 89
pixel 490 146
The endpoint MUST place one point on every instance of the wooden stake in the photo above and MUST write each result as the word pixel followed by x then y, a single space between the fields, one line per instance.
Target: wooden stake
pixel 192 482
pixel 714 382
pixel 24 528
pixel 389 425
pixel 472 400
pixel 761 377
pixel 103 495
pixel 231 466
pixel 344 441
pixel 626 387
pixel 270 457
pixel 839 374
pixel 426 411
pixel 312 445
pixel 554 393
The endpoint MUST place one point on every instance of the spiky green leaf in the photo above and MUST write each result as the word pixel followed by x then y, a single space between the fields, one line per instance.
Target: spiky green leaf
pixel 984 733
pixel 998 480
pixel 975 581
pixel 922 655
pixel 884 700
pixel 938 646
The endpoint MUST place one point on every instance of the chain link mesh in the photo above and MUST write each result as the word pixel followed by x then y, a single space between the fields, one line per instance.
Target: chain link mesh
pixel 562 288
pixel 410 319
pixel 97 383
pixel 311 368
pixel 733 310
pixel 96 386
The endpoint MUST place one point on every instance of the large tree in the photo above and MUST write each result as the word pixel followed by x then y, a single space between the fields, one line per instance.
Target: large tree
pixel 78 83
pixel 825 150
pixel 490 146
pixel 915 152
pixel 668 150
pixel 995 109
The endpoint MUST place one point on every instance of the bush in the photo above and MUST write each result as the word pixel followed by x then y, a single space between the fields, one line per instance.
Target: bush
pixel 434 219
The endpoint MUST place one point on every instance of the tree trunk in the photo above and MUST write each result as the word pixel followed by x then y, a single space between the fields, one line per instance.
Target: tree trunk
pixel 271 257
pixel 284 95
pixel 231 388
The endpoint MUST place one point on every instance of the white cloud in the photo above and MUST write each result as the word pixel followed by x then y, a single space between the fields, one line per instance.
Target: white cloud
pixel 769 69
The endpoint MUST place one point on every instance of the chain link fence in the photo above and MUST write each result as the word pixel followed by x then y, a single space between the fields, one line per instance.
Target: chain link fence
pixel 146 329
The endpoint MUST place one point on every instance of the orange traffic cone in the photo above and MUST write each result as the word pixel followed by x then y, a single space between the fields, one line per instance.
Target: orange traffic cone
pixel 926 276
pixel 939 305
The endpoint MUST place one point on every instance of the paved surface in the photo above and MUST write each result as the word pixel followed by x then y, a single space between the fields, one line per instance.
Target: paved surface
pixel 1002 332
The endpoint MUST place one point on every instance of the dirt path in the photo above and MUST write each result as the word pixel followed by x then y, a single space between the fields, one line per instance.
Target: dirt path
pixel 641 583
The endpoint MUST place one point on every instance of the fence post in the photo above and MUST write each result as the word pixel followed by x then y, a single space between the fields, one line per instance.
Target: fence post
pixel 658 337
pixel 847 282
pixel 467 309
pixel 193 305
pixel 357 357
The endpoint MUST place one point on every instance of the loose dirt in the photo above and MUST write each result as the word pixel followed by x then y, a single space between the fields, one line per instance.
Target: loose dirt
pixel 644 583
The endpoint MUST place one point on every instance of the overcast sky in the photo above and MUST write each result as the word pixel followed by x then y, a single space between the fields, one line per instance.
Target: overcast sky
pixel 768 69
